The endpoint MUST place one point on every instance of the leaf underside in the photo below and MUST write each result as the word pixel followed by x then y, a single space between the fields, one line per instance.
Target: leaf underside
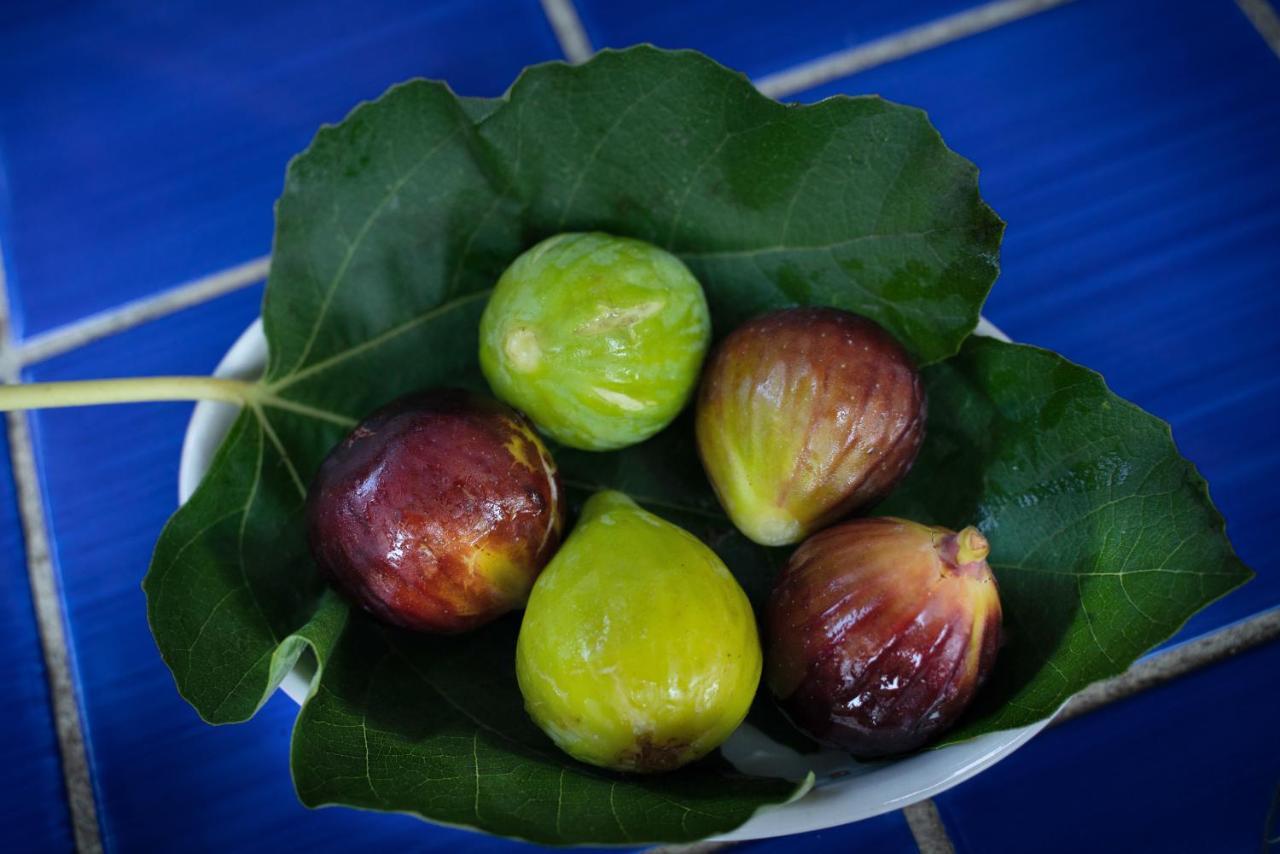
pixel 391 229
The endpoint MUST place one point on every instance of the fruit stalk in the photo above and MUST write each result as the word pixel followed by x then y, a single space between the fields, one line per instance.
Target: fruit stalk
pixel 133 390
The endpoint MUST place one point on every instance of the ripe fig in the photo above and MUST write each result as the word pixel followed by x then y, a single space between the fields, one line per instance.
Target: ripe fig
pixel 437 512
pixel 638 650
pixel 804 416
pixel 880 631
pixel 599 339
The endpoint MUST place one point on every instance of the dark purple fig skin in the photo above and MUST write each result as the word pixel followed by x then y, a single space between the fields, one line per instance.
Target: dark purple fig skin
pixel 880 631
pixel 437 512
pixel 805 415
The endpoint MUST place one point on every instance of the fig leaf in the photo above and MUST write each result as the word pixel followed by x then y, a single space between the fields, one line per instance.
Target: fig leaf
pixel 1104 539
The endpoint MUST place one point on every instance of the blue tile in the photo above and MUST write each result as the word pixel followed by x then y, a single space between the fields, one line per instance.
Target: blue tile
pixel 110 479
pixel 33 803
pixel 884 834
pixel 1192 766
pixel 1131 148
pixel 757 36
pixel 142 144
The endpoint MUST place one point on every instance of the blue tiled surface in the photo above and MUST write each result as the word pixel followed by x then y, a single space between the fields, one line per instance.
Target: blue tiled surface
pixel 153 137
pixel 1192 766
pixel 33 804
pixel 757 37
pixel 1132 147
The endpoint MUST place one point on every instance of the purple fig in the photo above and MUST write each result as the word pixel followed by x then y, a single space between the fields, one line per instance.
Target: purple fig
pixel 880 631
pixel 805 415
pixel 437 512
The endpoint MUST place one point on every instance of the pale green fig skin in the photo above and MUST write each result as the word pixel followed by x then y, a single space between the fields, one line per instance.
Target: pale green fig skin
pixel 638 650
pixel 598 339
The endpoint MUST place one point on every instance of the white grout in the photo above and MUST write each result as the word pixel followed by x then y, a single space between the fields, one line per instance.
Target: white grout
pixel 1173 663
pixel 568 29
pixel 46 600
pixel 1264 19
pixel 927 828
pixel 64 338
pixel 899 45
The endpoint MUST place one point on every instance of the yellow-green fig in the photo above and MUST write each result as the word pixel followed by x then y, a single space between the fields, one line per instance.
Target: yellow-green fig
pixel 599 339
pixel 805 415
pixel 638 650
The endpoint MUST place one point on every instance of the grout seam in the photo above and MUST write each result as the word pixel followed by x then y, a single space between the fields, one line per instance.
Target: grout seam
pixel 46 600
pixel 1264 19
pixel 927 828
pixel 65 338
pixel 900 45
pixel 568 29
pixel 1173 663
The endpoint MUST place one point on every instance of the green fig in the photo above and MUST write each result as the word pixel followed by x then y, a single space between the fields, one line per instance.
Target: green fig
pixel 598 339
pixel 638 650
pixel 804 416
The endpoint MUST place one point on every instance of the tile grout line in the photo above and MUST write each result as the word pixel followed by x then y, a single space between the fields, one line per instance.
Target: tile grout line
pixel 1264 19
pixel 900 45
pixel 568 29
pixel 1173 663
pixel 46 600
pixel 78 333
pixel 927 828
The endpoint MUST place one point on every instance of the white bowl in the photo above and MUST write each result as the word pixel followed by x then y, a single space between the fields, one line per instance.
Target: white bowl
pixel 846 791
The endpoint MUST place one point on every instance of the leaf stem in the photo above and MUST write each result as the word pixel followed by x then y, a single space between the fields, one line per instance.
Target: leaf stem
pixel 91 392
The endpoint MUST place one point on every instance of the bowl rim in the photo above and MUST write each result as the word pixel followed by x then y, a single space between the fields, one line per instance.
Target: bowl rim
pixel 882 788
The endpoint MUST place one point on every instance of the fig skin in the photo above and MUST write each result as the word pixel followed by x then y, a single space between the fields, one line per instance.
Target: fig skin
pixel 598 339
pixel 880 631
pixel 805 415
pixel 437 512
pixel 638 650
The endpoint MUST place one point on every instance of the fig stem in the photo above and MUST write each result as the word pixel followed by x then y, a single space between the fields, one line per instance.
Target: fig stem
pixel 135 390
pixel 971 546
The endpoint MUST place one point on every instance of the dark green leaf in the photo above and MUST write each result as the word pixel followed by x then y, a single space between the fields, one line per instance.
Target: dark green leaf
pixel 437 726
pixel 851 202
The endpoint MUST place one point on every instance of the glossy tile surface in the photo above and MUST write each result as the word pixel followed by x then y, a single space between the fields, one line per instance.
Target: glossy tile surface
pixel 1191 766
pixel 153 138
pixel 33 803
pixel 1131 148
